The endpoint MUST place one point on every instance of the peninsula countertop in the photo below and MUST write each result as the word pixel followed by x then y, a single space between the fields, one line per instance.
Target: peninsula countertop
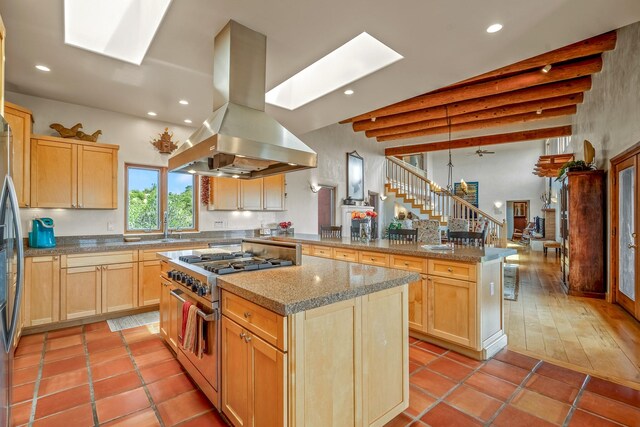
pixel 459 253
pixel 315 283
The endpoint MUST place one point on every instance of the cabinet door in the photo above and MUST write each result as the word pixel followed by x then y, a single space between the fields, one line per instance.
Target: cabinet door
pixel 268 383
pixel 251 194
pixel 418 305
pixel 273 189
pixel 20 122
pixel 385 368
pixel 148 288
pixel 80 292
pixel 119 286
pixel 53 174
pixel 165 288
pixel 225 194
pixel 41 290
pixel 97 177
pixel 452 310
pixel 235 374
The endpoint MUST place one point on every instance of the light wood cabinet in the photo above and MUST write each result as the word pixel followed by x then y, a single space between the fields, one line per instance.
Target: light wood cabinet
pixel 322 251
pixel 80 292
pixel 148 289
pixel 452 310
pixel 169 314
pixel 73 174
pixel 19 119
pixel 274 193
pixel 41 290
pixel 251 195
pixel 345 254
pixel 418 305
pixel 225 194
pixel 253 378
pixel 165 288
pixel 374 258
pixel 119 284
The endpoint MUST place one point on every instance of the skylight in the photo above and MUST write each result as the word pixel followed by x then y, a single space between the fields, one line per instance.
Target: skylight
pixel 354 60
pixel 120 29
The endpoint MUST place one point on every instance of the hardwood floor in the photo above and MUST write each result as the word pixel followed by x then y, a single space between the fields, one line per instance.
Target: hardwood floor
pixel 585 334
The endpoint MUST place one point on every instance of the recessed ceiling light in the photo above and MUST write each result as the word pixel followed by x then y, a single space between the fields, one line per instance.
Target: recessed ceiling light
pixel 494 28
pixel 241 156
pixel 188 121
pixel 292 164
pixel 152 113
pixel 546 68
pixel 348 92
pixel 43 67
pixel 121 29
pixel 184 102
pixel 191 171
pixel 235 176
pixel 354 60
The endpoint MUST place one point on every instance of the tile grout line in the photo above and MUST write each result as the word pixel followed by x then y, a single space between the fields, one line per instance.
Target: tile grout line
pixel 36 388
pixel 94 410
pixel 517 391
pixel 574 406
pixel 144 383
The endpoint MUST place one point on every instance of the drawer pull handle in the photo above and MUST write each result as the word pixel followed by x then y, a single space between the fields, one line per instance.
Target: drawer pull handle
pixel 242 335
pixel 247 339
pixel 450 270
pixel 406 263
pixel 373 259
pixel 247 314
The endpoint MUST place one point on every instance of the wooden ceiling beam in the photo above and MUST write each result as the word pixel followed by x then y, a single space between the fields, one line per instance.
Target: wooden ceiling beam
pixel 551 90
pixel 508 84
pixel 484 124
pixel 593 46
pixel 480 141
pixel 492 113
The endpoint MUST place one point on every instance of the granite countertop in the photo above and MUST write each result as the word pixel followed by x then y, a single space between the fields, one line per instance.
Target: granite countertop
pixel 459 253
pixel 107 245
pixel 315 283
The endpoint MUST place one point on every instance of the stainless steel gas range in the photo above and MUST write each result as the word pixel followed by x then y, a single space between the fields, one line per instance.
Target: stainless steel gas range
pixel 192 276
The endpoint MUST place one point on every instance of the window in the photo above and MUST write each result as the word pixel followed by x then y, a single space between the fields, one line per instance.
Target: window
pixel 150 191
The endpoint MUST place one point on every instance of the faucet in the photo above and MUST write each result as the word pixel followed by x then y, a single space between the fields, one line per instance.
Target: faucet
pixel 166 224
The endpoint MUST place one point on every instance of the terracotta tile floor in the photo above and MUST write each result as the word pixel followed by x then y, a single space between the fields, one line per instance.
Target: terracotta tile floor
pixel 89 376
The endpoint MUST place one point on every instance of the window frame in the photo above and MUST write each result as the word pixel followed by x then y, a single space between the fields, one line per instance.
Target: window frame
pixel 163 194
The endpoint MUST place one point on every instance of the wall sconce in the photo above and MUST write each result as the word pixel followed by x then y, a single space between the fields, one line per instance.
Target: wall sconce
pixel 314 188
pixel 383 197
pixel 497 207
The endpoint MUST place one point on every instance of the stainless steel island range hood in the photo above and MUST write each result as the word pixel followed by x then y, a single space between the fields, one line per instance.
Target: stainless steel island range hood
pixel 239 139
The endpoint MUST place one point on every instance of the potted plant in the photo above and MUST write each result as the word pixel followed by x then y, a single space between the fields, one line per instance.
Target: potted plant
pixel 574 166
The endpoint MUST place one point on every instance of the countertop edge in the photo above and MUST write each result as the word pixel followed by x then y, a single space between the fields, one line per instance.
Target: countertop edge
pixel 285 309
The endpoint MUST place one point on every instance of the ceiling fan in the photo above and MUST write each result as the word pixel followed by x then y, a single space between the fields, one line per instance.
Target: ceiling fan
pixel 481 152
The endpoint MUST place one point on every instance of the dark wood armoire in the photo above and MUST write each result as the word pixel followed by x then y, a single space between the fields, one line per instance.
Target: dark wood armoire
pixel 582 228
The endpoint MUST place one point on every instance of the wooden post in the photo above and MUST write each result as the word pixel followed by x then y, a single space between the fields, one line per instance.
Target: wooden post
pixel 503 234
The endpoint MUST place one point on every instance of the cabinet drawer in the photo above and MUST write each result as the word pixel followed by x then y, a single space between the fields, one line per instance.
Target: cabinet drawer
pixel 100 258
pixel 268 325
pixel 374 258
pixel 322 251
pixel 454 270
pixel 346 254
pixel 306 250
pixel 408 263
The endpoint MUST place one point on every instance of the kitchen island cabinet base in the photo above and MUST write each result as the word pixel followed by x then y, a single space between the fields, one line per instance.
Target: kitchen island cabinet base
pixel 490 349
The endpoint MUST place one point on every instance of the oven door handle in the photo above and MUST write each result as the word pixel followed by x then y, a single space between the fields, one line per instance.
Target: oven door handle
pixel 176 293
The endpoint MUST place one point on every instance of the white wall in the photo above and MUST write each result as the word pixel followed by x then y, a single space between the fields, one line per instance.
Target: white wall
pixel 332 143
pixel 505 175
pixel 133 135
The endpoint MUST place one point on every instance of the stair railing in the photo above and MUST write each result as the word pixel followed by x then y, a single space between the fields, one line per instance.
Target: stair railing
pixel 412 184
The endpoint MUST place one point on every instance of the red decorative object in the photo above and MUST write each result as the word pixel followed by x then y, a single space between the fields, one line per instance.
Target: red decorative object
pixel 285 225
pixel 205 190
pixel 363 215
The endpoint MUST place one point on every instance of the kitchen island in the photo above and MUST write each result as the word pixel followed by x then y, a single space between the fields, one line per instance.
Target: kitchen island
pixel 457 300
pixel 317 344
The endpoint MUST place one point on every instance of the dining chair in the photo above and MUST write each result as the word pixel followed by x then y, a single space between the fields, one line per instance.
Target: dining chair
pixel 402 235
pixel 467 238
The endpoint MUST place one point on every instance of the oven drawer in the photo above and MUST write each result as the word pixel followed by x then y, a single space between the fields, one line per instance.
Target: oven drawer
pixel 268 325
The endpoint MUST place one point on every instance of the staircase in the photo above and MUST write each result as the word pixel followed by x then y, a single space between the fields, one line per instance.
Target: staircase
pixel 412 185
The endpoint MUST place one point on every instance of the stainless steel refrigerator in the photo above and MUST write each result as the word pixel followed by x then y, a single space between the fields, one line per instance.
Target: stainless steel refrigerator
pixel 11 270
